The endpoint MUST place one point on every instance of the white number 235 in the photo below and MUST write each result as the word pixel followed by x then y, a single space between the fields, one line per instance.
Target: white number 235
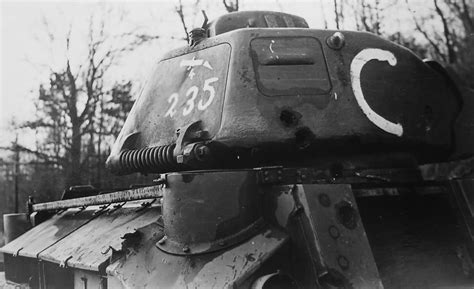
pixel 191 95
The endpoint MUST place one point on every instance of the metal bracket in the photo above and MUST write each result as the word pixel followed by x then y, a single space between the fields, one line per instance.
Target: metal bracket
pixel 81 209
pixel 59 212
pixel 101 209
pixel 270 175
pixel 63 264
pixel 17 252
pixel 145 205
pixel 298 207
pixel 326 230
pixel 340 237
pixel 188 134
pixel 280 175
pixel 116 207
pixel 161 181
pixel 108 250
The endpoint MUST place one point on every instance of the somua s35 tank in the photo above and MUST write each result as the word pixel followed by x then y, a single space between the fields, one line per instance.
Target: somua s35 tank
pixel 261 128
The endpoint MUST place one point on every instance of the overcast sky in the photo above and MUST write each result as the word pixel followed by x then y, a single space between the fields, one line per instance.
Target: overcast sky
pixel 26 53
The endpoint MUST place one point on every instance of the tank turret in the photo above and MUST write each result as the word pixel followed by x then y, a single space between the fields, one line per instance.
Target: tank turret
pixel 268 137
pixel 264 89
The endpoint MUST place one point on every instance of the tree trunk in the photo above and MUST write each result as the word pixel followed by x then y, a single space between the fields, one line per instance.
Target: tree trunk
pixel 74 173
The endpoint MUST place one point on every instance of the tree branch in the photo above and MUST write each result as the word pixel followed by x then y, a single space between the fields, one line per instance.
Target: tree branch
pixel 179 10
pixel 447 34
pixel 425 34
pixel 232 6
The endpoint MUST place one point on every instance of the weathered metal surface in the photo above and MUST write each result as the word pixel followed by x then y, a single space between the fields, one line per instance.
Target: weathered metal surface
pixel 246 19
pixel 85 280
pixel 376 192
pixel 274 280
pixel 282 96
pixel 5 285
pixel 339 175
pixel 339 229
pixel 458 169
pixel 90 246
pixel 149 267
pixel 182 90
pixel 327 230
pixel 46 234
pixel 105 199
pixel 14 225
pixel 21 270
pixel 209 211
pixel 289 65
pixel 343 244
pixel 150 159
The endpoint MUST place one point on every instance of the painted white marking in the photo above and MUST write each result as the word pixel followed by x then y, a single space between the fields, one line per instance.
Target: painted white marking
pixel 173 99
pixel 192 94
pixel 270 47
pixel 207 65
pixel 191 74
pixel 212 92
pixel 191 62
pixel 357 64
pixel 193 91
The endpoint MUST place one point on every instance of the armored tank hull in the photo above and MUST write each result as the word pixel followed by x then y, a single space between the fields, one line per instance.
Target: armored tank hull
pixel 265 134
pixel 200 230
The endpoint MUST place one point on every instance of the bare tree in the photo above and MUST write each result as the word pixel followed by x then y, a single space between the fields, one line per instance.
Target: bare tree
pixel 447 33
pixel 337 14
pixel 179 10
pixel 73 103
pixel 450 44
pixel 325 21
pixel 231 6
pixel 368 15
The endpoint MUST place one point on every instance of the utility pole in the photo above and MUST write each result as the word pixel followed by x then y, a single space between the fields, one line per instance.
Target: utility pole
pixel 15 148
pixel 16 171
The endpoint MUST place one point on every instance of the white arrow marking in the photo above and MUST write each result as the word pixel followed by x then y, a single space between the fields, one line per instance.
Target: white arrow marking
pixel 207 65
pixel 189 63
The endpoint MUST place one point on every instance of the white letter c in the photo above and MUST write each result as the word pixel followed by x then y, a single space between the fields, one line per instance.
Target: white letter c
pixel 356 67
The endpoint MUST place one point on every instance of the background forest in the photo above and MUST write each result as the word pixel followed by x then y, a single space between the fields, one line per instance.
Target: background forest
pixel 81 106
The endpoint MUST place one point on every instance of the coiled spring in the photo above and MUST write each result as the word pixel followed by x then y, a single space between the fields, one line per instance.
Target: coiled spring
pixel 151 159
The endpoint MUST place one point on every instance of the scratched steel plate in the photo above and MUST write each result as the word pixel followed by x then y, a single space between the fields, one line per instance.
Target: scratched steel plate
pixel 149 267
pixel 182 90
pixel 337 225
pixel 86 248
pixel 47 233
